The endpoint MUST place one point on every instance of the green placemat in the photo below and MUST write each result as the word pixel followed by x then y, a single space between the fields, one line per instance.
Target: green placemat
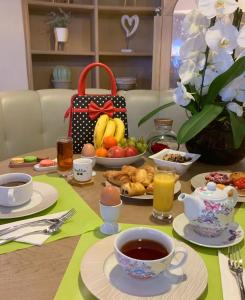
pixel 72 287
pixel 84 220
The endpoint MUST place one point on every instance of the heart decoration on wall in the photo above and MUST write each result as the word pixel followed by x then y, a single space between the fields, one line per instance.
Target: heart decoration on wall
pixel 130 24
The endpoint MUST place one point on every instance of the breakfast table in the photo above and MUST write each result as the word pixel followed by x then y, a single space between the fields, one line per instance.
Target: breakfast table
pixel 36 272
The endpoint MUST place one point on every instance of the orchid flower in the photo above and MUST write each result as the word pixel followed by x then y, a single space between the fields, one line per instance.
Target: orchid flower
pixel 194 22
pixel 213 8
pixel 187 71
pixel 220 61
pixel 236 108
pixel 222 36
pixel 181 96
pixel 193 46
pixel 234 90
pixel 241 4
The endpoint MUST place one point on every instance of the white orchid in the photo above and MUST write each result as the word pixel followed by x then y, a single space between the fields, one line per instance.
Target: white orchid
pixel 234 90
pixel 213 8
pixel 241 37
pixel 194 22
pixel 220 61
pixel 241 4
pixel 187 71
pixel 236 108
pixel 193 46
pixel 222 36
pixel 210 75
pixel 181 96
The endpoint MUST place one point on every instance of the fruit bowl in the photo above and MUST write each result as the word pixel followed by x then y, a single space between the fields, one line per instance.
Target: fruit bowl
pixel 117 162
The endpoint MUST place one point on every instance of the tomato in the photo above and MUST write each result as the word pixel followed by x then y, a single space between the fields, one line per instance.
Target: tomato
pixel 240 183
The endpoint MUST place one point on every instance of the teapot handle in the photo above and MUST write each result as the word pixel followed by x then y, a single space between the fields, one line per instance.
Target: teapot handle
pixel 232 194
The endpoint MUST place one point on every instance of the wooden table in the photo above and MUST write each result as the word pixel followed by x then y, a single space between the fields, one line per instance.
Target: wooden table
pixel 35 273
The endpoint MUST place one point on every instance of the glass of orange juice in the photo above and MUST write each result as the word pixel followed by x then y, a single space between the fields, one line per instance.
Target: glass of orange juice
pixel 163 195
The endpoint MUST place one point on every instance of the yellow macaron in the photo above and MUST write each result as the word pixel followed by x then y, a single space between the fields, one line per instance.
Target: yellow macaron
pixel 17 160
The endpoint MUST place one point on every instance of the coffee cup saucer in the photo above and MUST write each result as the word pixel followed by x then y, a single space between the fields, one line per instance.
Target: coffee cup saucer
pixel 103 277
pixel 231 236
pixel 44 195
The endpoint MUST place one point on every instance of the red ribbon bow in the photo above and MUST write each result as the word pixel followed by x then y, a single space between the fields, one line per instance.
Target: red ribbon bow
pixel 94 110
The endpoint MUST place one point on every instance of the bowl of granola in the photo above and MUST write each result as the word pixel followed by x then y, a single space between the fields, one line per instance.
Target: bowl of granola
pixel 172 159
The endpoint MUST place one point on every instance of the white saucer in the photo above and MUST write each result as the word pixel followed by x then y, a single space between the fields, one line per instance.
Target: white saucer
pixel 44 195
pixel 232 236
pixel 106 280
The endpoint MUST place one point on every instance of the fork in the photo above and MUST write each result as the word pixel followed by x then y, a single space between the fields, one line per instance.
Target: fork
pixel 50 230
pixel 63 218
pixel 235 264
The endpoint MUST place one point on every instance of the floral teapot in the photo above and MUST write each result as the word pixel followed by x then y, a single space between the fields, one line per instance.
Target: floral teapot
pixel 209 209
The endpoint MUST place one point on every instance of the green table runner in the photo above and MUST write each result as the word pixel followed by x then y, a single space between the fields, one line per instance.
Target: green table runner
pixel 84 220
pixel 72 287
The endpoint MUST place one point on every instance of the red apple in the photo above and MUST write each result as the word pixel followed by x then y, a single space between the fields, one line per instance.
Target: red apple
pixel 131 151
pixel 116 152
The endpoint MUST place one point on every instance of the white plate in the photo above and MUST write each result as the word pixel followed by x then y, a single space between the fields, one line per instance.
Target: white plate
pixel 177 189
pixel 117 162
pixel 199 181
pixel 44 195
pixel 106 280
pixel 232 236
pixel 180 168
pixel 38 168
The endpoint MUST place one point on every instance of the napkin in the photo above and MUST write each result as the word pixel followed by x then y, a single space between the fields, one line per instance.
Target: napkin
pixel 34 239
pixel 229 284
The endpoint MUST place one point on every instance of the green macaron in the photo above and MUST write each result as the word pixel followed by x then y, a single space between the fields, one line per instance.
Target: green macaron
pixel 30 158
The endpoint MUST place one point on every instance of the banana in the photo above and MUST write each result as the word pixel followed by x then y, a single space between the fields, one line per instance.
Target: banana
pixel 99 130
pixel 120 129
pixel 110 128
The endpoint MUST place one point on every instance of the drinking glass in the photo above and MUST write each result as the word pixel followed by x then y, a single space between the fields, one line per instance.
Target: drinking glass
pixel 163 195
pixel 64 155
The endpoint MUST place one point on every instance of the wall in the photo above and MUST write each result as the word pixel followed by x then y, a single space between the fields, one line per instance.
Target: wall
pixel 13 70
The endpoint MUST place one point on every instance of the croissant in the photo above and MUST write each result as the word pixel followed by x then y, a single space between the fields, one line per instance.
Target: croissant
pixel 141 176
pixel 130 170
pixel 133 189
pixel 117 177
pixel 149 188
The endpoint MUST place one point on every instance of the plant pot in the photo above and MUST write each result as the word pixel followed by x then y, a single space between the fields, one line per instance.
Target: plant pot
pixel 215 144
pixel 61 34
pixel 61 84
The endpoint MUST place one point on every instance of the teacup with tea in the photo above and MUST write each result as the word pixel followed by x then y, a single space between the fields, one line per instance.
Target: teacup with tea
pixel 145 253
pixel 15 189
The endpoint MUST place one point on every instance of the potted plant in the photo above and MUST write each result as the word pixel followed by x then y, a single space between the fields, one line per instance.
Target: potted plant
pixel 61 77
pixel 60 21
pixel 212 82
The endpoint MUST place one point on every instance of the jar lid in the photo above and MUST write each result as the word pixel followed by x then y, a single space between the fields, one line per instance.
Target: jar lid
pixel 166 122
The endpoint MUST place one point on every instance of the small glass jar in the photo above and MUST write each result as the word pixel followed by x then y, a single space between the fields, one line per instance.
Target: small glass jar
pixel 163 137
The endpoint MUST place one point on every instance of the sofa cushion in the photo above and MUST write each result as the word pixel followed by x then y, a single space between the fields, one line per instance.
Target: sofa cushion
pixel 20 123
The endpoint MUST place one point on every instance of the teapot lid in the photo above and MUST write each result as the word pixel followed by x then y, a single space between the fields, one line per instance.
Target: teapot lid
pixel 211 192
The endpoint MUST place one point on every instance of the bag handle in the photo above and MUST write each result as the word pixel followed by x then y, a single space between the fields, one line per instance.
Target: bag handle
pixel 82 78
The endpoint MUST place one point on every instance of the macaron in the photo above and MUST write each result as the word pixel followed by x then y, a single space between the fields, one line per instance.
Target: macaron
pixel 46 163
pixel 30 158
pixel 17 160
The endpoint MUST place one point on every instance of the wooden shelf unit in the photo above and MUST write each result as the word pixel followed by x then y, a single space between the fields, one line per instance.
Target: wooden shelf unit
pixel 95 34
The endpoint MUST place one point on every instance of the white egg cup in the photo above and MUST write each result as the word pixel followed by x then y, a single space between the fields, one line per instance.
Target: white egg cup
pixel 110 215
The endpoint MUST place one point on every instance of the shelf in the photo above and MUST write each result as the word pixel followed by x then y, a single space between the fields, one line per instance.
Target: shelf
pixel 52 52
pixel 118 53
pixel 121 9
pixel 41 6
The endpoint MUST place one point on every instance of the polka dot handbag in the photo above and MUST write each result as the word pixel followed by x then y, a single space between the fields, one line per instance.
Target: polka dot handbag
pixel 86 109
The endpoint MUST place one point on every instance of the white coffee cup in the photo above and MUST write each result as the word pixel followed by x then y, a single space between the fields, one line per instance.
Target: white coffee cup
pixel 145 269
pixel 82 169
pixel 14 195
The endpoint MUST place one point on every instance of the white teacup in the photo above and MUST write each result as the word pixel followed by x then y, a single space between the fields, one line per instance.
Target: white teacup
pixel 15 189
pixel 93 158
pixel 82 169
pixel 145 269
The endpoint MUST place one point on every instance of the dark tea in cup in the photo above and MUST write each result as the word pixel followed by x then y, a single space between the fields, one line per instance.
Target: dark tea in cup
pixel 144 249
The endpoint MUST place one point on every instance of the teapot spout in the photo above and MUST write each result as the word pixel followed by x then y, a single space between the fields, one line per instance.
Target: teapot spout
pixel 192 206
